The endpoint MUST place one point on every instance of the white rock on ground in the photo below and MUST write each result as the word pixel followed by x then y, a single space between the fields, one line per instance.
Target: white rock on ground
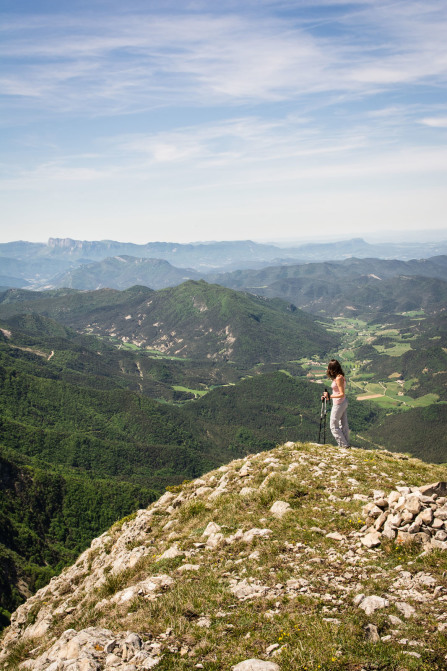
pixel 172 552
pixel 405 608
pixel 212 528
pixel 336 536
pixel 372 539
pixel 250 535
pixel 371 603
pixel 255 665
pixel 280 508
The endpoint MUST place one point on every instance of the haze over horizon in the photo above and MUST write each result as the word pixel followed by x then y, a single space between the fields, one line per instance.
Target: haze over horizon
pixel 187 120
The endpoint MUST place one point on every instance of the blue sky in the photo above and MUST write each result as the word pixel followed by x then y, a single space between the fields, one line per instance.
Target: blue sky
pixel 221 120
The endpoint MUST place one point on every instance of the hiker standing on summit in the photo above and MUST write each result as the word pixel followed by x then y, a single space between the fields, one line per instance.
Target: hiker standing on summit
pixel 339 416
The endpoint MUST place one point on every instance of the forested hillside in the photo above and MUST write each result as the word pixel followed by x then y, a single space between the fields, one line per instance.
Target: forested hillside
pixel 195 320
pixel 361 287
pixel 122 272
pixel 48 516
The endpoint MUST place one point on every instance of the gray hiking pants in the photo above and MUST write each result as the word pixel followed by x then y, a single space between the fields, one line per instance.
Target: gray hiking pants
pixel 339 423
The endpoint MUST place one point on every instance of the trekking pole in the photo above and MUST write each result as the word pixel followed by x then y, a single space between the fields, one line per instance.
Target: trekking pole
pixel 325 412
pixel 321 420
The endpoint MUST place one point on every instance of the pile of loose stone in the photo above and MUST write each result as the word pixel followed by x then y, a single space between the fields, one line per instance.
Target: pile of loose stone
pixel 409 513
pixel 95 648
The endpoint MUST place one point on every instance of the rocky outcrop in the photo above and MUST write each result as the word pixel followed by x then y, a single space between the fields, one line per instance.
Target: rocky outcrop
pixel 272 537
pixel 416 514
pixel 95 648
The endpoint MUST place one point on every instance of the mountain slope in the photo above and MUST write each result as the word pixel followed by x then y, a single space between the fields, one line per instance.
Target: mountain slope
pixel 435 266
pixel 78 448
pixel 268 558
pixel 420 431
pixel 194 319
pixel 122 272
pixel 354 286
pixel 48 517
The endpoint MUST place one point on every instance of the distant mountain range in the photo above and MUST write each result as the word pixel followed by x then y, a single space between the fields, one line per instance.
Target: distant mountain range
pixel 41 265
pixel 353 286
pixel 122 272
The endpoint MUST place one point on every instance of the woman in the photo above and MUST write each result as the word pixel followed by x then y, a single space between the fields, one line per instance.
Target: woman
pixel 339 417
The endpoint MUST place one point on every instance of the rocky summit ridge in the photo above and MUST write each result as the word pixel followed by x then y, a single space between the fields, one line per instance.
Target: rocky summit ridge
pixel 304 557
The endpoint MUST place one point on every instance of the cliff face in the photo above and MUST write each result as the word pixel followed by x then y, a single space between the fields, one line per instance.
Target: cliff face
pixel 304 557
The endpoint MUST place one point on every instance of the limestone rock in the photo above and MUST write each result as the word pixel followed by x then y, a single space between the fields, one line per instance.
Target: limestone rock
pixel 172 552
pixel 371 603
pixel 389 532
pixel 437 522
pixel 405 608
pixel 380 521
pixel 214 540
pixel 372 633
pixel 395 621
pixel 252 533
pixel 438 488
pixel 408 514
pixel 166 498
pixel 336 536
pixel 188 567
pixel 280 508
pixel 133 641
pixel 201 491
pixel 255 665
pixel 245 590
pixel 413 504
pixel 143 588
pixel 150 662
pixel 372 539
pixel 212 528
pixel 378 494
pixel 375 511
pixel 296 583
pixel 204 622
pixel 425 516
pixel 441 513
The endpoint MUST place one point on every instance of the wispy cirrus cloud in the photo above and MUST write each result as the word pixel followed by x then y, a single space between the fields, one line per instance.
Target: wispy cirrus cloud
pixel 242 151
pixel 435 122
pixel 265 98
pixel 133 61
